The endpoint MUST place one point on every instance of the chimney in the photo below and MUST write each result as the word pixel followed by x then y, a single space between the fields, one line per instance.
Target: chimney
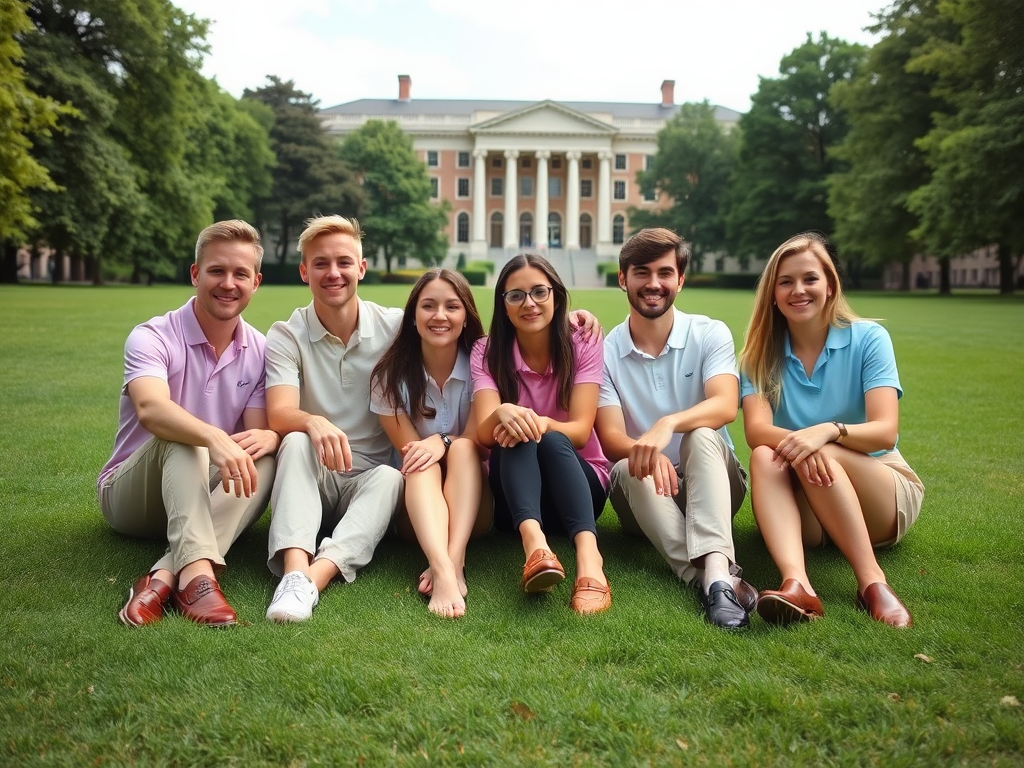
pixel 405 88
pixel 668 98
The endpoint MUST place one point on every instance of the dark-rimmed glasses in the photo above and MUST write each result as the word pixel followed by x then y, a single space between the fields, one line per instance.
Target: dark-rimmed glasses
pixel 539 294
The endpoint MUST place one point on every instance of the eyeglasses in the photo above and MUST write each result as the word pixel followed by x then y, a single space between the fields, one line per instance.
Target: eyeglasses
pixel 539 293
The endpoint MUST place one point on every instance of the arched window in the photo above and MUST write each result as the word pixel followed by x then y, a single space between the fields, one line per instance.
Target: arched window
pixel 525 230
pixel 554 230
pixel 586 227
pixel 497 230
pixel 462 228
pixel 619 229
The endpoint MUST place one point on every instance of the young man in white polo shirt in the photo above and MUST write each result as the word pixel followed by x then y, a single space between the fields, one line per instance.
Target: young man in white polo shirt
pixel 670 387
pixel 193 459
pixel 334 473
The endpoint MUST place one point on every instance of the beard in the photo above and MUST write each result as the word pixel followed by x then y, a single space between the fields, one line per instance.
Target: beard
pixel 636 301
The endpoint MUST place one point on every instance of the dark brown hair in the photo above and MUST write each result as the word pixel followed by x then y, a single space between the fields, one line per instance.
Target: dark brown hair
pixel 650 244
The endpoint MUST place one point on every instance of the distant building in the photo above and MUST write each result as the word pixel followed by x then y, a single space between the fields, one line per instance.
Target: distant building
pixel 556 177
pixel 979 269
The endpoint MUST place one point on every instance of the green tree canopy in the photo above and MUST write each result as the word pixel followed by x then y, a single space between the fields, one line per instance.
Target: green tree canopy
pixel 692 166
pixel 401 220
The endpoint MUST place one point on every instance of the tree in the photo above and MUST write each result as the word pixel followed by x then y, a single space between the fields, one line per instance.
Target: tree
pixel 692 166
pixel 309 178
pixel 889 109
pixel 975 195
pixel 401 220
pixel 779 186
pixel 24 115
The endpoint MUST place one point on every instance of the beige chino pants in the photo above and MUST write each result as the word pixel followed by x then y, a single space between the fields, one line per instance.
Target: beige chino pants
pixel 170 491
pixel 684 528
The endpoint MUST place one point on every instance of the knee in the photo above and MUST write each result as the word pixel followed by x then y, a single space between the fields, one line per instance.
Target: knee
pixel 702 440
pixel 552 443
pixel 762 463
pixel 179 454
pixel 463 449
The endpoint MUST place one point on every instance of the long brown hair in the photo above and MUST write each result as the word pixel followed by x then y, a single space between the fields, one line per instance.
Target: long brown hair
pixel 499 356
pixel 401 366
pixel 764 341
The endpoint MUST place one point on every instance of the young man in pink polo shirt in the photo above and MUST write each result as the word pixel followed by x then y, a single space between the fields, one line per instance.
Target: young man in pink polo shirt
pixel 193 459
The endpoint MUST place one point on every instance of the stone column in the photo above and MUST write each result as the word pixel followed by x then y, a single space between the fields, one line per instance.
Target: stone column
pixel 571 225
pixel 511 198
pixel 540 233
pixel 604 198
pixel 478 244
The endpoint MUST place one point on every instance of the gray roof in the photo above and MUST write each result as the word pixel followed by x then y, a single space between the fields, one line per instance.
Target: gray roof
pixel 395 108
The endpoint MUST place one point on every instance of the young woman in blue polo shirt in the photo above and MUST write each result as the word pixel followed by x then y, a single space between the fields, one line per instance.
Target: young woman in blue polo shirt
pixel 820 393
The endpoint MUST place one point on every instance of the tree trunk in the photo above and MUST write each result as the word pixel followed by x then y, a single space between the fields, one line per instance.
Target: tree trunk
pixel 944 277
pixel 77 268
pixel 96 269
pixel 60 274
pixel 387 259
pixel 905 276
pixel 9 270
pixel 282 246
pixel 1006 281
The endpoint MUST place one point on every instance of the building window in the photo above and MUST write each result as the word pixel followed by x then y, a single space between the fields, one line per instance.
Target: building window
pixel 587 163
pixel 586 228
pixel 462 228
pixel 497 186
pixel 619 229
pixel 497 230
pixel 526 162
pixel 620 162
pixel 651 195
pixel 462 187
pixel 554 230
pixel 556 162
pixel 620 190
pixel 586 188
pixel 463 161
pixel 433 188
pixel 526 186
pixel 648 162
pixel 525 230
pixel 554 187
pixel 495 162
pixel 432 159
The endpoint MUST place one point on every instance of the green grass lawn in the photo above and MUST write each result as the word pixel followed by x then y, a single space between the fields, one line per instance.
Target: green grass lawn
pixel 374 679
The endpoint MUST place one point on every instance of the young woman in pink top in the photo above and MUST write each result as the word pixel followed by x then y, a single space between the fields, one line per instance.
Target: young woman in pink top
pixel 535 389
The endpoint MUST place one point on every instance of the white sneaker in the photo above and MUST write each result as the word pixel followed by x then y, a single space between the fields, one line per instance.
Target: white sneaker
pixel 294 599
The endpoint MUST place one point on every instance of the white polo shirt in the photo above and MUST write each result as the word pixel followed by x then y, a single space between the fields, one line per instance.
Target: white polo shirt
pixel 451 402
pixel 333 378
pixel 647 388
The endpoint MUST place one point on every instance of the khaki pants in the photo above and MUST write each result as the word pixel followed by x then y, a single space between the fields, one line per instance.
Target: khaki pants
pixel 170 491
pixel 354 509
pixel 712 484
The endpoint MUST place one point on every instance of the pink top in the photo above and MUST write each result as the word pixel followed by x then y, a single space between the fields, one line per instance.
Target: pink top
pixel 174 348
pixel 539 391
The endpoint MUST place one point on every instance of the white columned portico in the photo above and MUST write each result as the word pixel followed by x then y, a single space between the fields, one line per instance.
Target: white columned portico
pixel 478 247
pixel 540 227
pixel 511 198
pixel 571 227
pixel 604 198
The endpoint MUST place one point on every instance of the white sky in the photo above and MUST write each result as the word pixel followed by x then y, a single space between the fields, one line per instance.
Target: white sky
pixel 570 50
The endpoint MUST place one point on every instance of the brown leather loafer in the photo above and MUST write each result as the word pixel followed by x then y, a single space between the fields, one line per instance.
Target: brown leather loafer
pixel 146 600
pixel 882 605
pixel 590 596
pixel 202 602
pixel 746 595
pixel 542 571
pixel 788 604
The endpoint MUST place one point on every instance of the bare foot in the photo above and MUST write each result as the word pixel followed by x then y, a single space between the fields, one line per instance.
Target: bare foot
pixel 426 584
pixel 446 600
pixel 460 576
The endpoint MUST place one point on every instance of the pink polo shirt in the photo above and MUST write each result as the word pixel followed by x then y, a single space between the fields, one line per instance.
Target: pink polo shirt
pixel 174 348
pixel 539 391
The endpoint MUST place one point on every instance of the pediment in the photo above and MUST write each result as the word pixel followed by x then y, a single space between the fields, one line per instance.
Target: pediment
pixel 545 118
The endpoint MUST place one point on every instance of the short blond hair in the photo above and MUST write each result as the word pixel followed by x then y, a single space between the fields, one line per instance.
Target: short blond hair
pixel 330 225
pixel 231 231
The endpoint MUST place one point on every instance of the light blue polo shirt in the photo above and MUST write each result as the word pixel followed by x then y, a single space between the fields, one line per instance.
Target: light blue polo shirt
pixel 855 359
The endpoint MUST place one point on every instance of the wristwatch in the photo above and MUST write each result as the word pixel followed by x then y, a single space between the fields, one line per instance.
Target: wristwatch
pixel 843 432
pixel 446 440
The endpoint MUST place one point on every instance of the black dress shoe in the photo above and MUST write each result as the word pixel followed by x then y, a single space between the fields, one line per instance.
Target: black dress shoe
pixel 721 606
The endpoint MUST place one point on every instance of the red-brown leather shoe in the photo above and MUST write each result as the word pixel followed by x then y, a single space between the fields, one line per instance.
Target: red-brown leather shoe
pixel 882 605
pixel 788 604
pixel 542 571
pixel 146 600
pixel 590 596
pixel 202 602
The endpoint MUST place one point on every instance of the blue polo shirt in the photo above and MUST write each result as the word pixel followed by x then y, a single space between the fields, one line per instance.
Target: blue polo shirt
pixel 855 359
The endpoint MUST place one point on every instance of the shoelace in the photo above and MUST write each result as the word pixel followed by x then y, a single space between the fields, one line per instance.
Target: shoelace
pixel 294 583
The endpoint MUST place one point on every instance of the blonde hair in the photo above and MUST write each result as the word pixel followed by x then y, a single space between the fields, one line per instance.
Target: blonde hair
pixel 761 356
pixel 231 231
pixel 330 225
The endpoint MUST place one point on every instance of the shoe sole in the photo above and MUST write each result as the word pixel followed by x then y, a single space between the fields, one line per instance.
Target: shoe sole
pixel 776 610
pixel 544 581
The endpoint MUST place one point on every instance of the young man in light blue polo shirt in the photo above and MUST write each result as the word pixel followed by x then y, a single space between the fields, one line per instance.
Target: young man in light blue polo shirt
pixel 670 386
